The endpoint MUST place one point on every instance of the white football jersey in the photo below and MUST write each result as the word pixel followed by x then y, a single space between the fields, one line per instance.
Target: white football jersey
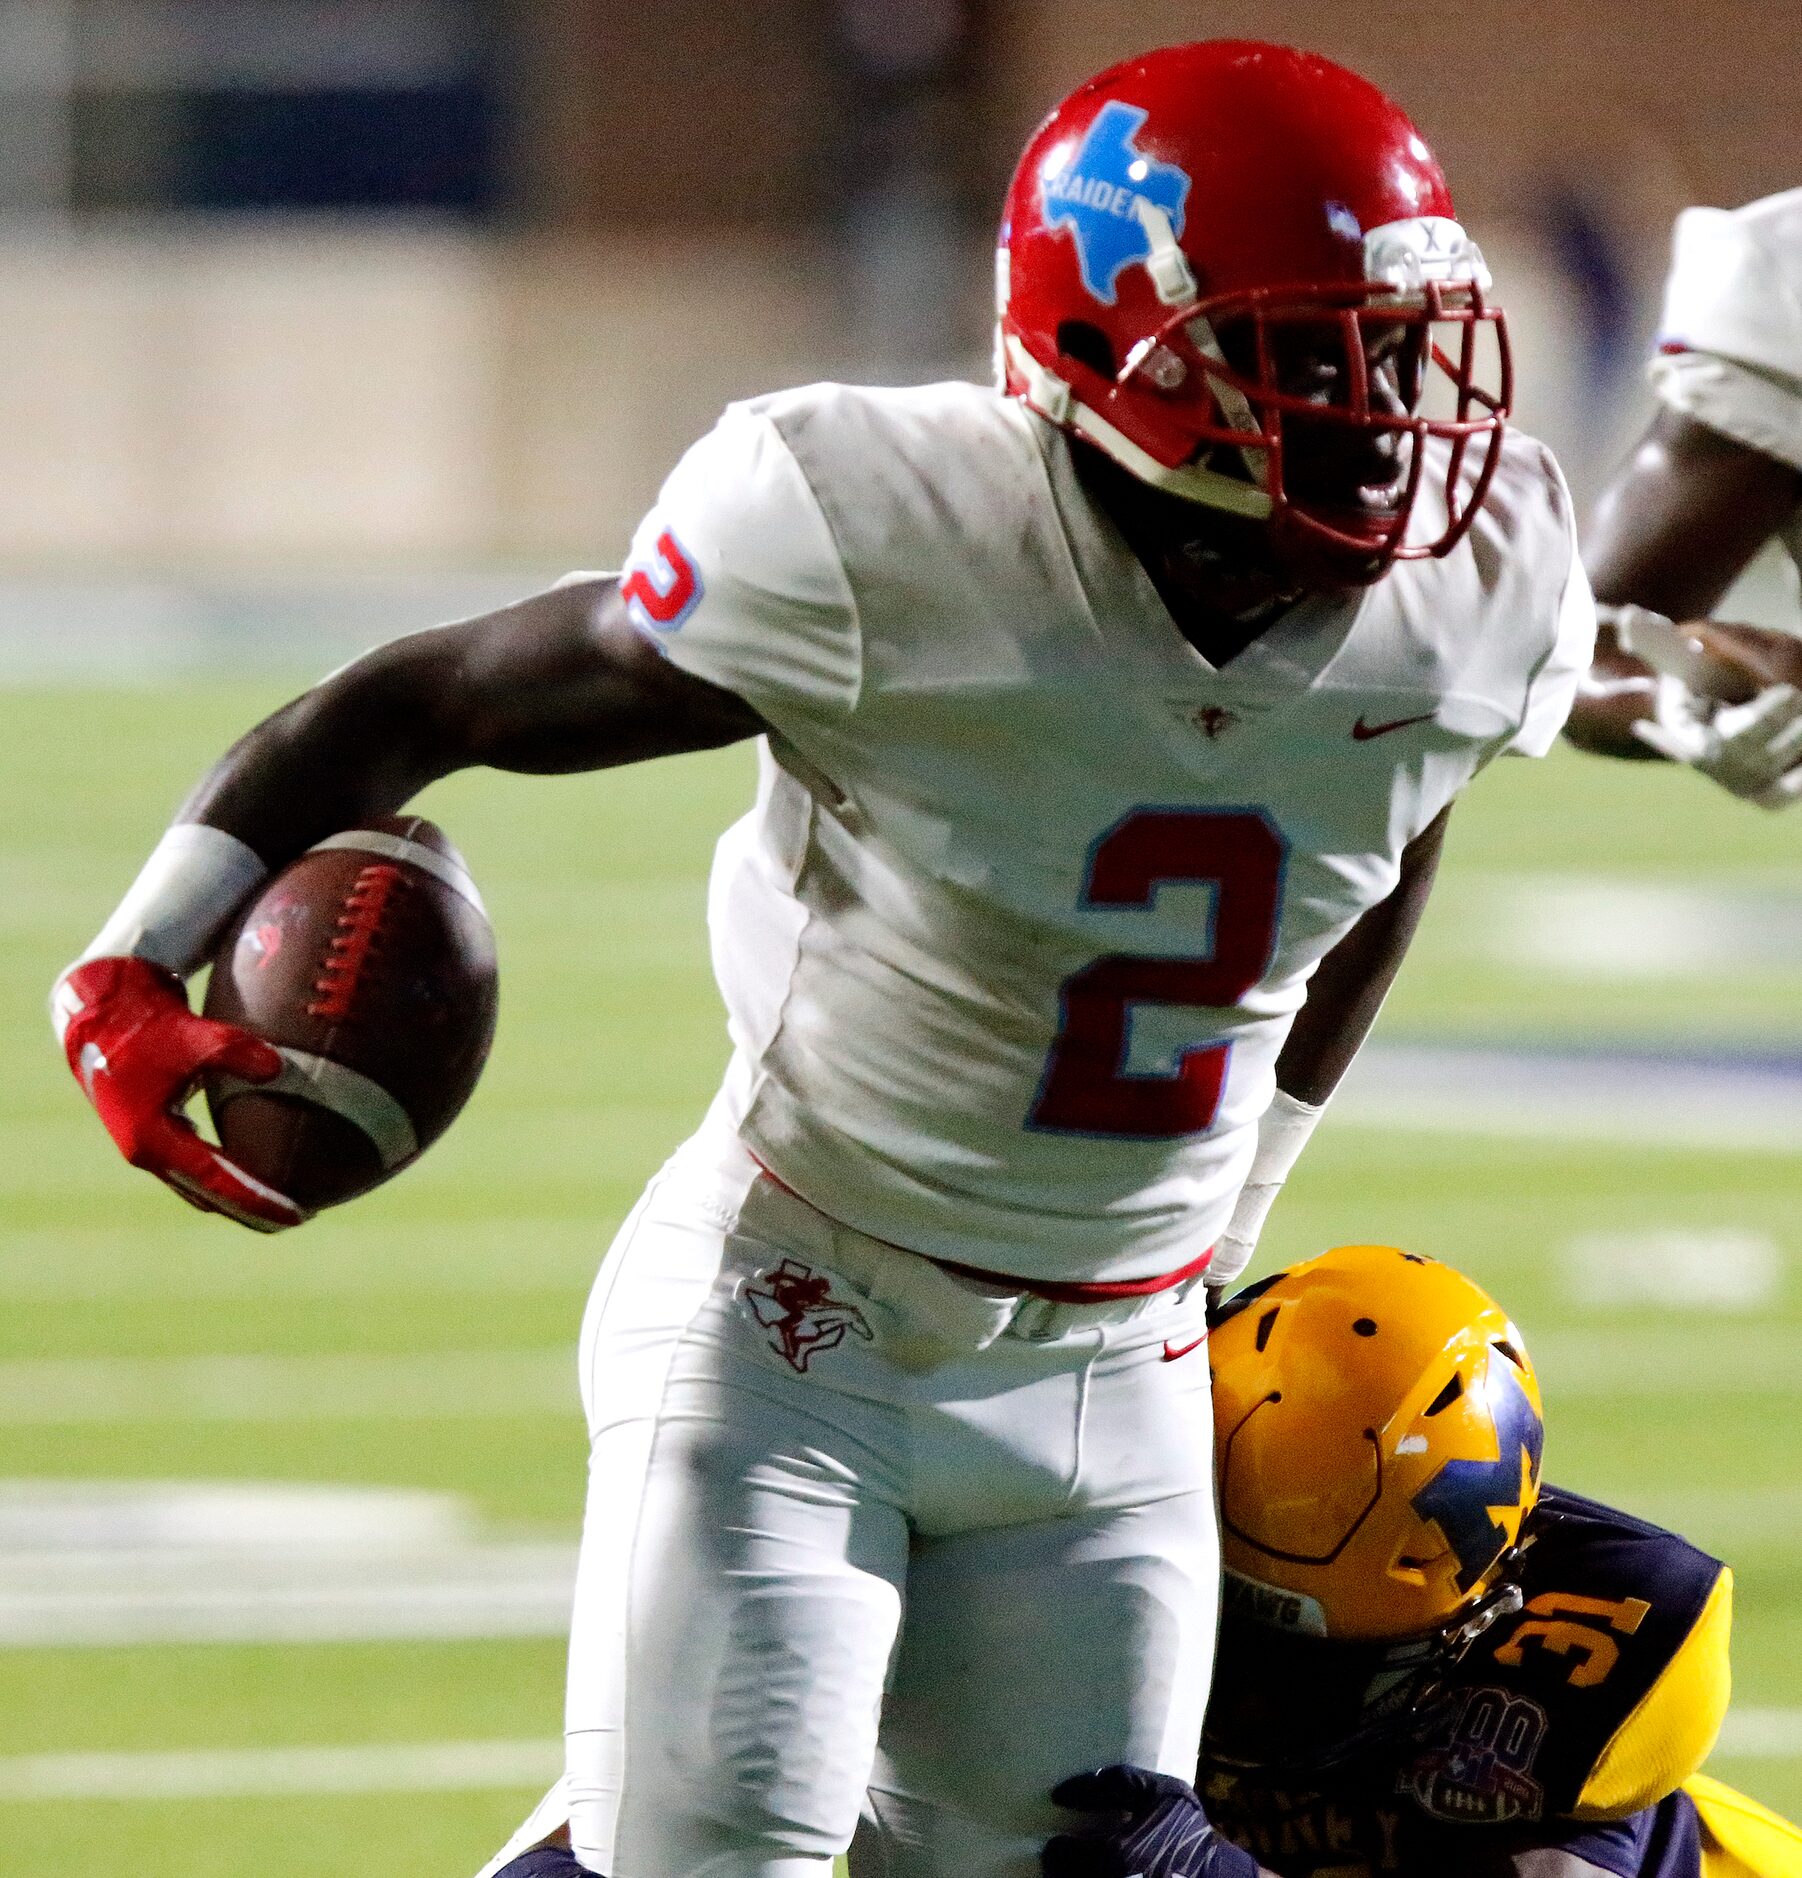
pixel 1730 336
pixel 1031 892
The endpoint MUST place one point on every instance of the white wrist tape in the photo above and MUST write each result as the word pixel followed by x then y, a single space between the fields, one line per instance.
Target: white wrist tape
pixel 184 896
pixel 1283 1132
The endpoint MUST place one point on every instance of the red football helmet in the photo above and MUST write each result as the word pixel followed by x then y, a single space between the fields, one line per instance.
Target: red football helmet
pixel 1186 225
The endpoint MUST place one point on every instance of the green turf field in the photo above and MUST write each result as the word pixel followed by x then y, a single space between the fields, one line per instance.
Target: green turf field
pixel 610 1040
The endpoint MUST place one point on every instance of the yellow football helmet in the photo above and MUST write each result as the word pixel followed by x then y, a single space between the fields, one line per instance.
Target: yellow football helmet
pixel 1378 1430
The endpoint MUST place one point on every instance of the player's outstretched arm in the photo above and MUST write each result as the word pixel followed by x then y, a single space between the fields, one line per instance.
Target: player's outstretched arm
pixel 1676 526
pixel 1685 513
pixel 561 682
pixel 1344 996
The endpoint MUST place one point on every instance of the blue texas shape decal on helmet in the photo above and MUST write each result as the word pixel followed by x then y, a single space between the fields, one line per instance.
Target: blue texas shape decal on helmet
pixel 1094 193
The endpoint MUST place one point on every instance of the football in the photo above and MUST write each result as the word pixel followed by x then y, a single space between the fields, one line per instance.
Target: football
pixel 1714 658
pixel 369 963
pixel 1743 658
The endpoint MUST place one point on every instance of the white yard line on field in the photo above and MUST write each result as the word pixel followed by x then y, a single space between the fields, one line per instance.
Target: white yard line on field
pixel 262 1773
pixel 165 1257
pixel 86 1563
pixel 1751 1105
pixel 410 1386
pixel 1684 1268
pixel 1578 926
pixel 127 1563
pixel 1683 1359
pixel 455 1766
pixel 89 1599
pixel 1771 1734
pixel 1701 1357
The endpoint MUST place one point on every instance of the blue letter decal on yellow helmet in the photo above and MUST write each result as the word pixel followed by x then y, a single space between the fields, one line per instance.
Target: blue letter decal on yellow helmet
pixel 1458 1498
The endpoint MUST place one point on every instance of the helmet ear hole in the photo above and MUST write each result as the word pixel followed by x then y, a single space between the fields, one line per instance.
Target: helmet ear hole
pixel 1087 345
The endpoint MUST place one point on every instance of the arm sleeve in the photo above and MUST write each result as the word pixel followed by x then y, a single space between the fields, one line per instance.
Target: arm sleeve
pixel 735 576
pixel 1553 689
pixel 1730 336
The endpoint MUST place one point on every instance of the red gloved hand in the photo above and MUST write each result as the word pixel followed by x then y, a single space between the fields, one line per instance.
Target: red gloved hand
pixel 138 1051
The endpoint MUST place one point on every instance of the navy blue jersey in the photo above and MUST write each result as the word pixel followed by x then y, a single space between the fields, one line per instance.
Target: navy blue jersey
pixel 1662 1841
pixel 1566 1723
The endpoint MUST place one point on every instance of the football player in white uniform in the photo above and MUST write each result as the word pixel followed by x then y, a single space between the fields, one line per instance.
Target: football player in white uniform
pixel 1716 475
pixel 1109 722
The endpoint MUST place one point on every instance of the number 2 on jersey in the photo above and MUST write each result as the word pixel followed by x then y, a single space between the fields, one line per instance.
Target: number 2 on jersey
pixel 1087 1088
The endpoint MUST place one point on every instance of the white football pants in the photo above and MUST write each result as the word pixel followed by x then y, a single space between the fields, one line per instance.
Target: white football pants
pixel 823 1469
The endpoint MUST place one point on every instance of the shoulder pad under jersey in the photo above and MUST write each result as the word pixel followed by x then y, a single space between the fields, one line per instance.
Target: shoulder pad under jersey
pixel 1601 1694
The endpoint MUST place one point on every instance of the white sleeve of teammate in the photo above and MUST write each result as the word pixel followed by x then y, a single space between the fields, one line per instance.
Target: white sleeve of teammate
pixel 1730 336
pixel 1554 687
pixel 735 576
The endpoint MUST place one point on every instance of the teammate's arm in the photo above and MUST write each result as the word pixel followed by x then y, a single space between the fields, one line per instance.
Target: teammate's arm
pixel 560 682
pixel 1344 996
pixel 1671 533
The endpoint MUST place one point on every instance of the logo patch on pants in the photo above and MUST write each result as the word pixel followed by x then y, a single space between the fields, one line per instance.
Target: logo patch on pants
pixel 794 1303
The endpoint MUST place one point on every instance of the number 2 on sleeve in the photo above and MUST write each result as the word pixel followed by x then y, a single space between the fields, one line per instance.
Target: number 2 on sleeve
pixel 1087 1088
pixel 662 594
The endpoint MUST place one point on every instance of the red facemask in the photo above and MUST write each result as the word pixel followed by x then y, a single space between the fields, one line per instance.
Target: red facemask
pixel 1234 267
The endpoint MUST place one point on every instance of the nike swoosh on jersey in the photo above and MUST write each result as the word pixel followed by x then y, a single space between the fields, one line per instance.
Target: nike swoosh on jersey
pixel 1173 1350
pixel 1363 732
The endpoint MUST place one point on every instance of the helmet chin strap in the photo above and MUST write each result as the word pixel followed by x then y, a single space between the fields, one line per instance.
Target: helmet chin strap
pixel 1054 397
pixel 1175 283
pixel 1171 275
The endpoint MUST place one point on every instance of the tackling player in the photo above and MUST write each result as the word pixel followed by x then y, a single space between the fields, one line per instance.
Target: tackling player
pixel 1428 1664
pixel 1109 722
pixel 1716 475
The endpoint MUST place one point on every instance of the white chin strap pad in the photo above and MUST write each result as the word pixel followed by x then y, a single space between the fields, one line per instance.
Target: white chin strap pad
pixel 1052 397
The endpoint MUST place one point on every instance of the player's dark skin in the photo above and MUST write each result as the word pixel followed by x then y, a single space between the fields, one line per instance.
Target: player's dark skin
pixel 1672 532
pixel 1216 572
pixel 565 682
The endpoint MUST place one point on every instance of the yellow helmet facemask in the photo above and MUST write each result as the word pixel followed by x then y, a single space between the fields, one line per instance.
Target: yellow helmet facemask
pixel 1378 1430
